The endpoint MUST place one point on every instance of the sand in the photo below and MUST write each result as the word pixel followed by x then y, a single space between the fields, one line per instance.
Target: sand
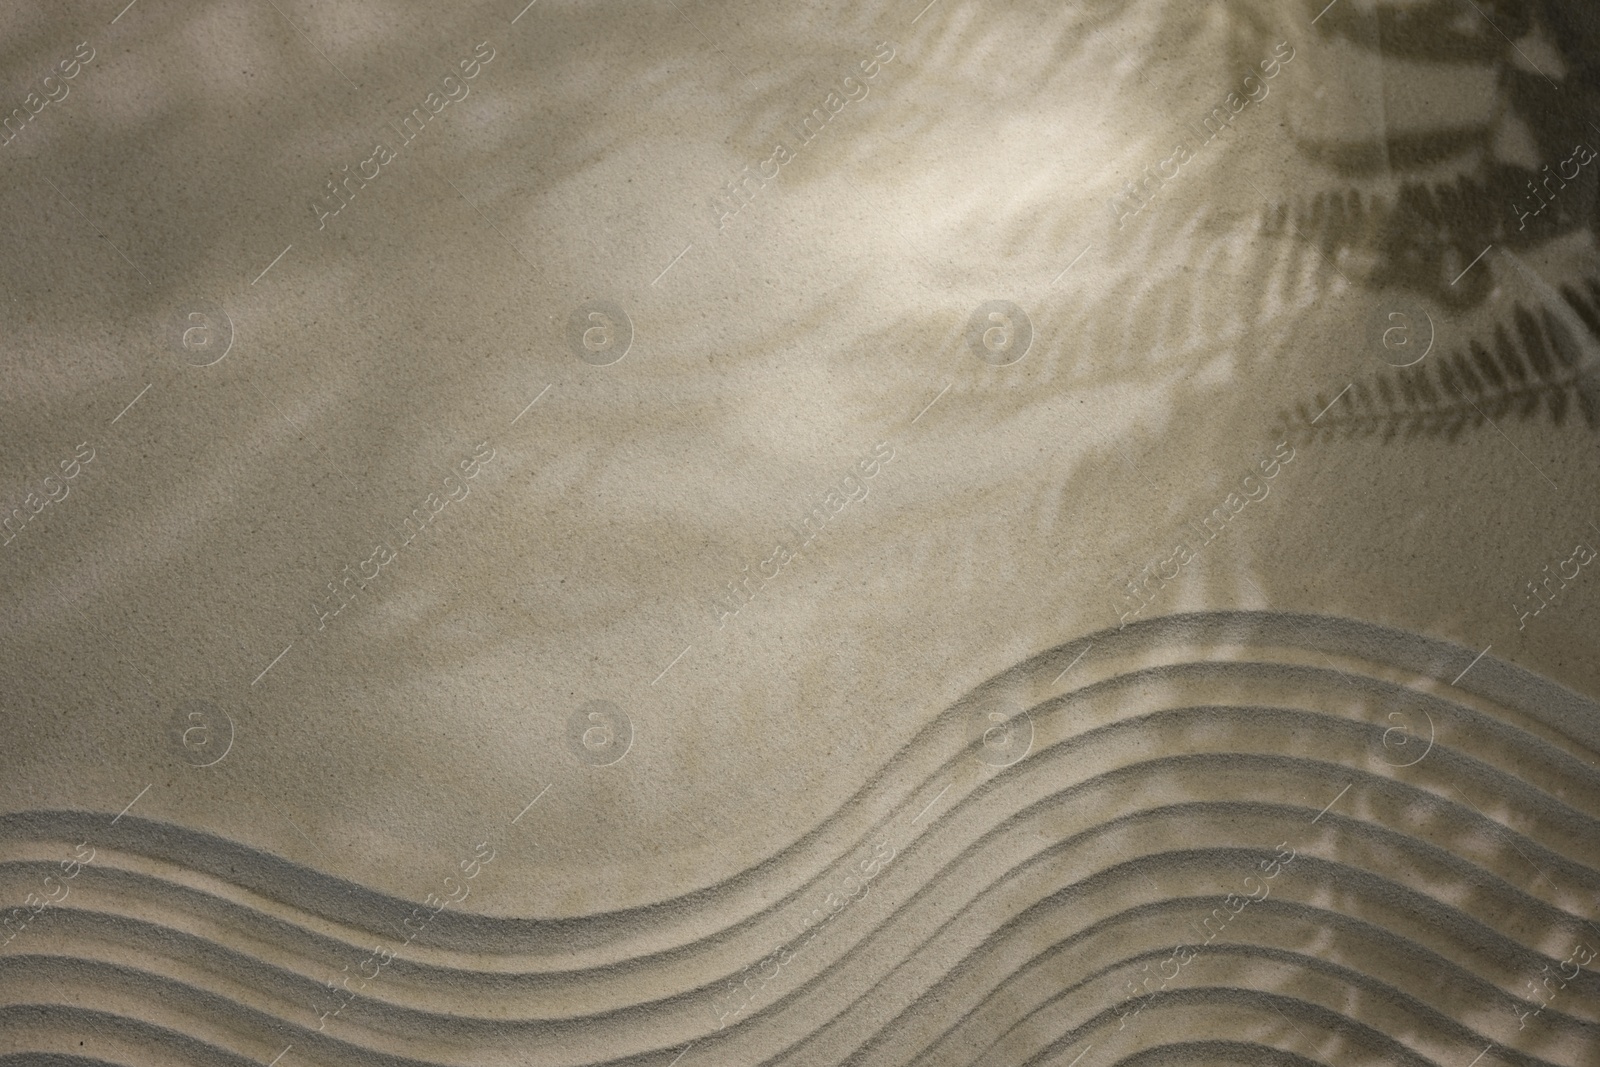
pixel 707 492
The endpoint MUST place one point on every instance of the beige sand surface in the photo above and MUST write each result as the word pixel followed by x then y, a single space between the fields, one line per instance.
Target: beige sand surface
pixel 269 390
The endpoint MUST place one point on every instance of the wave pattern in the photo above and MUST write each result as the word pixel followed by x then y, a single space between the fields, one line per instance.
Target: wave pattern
pixel 1217 838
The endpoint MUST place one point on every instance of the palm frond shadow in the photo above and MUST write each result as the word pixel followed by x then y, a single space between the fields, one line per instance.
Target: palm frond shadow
pixel 1410 210
pixel 1535 369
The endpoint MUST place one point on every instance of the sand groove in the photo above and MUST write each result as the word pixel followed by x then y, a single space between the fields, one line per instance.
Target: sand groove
pixel 1435 871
